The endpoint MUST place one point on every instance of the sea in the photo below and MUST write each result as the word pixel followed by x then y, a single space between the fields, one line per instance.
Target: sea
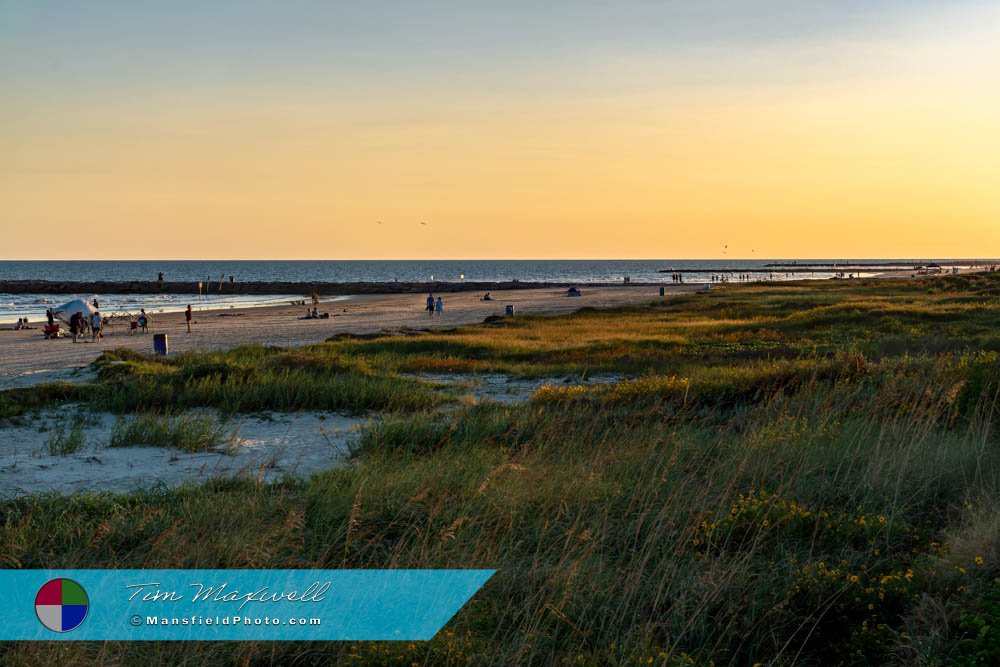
pixel 585 271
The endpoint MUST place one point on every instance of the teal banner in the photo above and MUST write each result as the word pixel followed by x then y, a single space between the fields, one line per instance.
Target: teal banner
pixel 258 605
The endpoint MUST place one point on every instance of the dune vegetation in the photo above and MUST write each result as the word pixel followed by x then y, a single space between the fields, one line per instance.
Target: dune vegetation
pixel 799 474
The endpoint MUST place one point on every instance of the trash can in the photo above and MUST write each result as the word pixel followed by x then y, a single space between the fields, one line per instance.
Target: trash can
pixel 160 344
pixel 663 291
pixel 510 309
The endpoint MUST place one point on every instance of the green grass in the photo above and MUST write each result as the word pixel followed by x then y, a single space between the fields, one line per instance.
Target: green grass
pixel 719 327
pixel 256 378
pixel 185 432
pixel 63 441
pixel 790 475
pixel 251 378
pixel 16 402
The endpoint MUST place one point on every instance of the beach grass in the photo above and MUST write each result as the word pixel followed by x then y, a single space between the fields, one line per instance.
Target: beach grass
pixel 251 378
pixel 190 433
pixel 255 378
pixel 788 475
pixel 16 402
pixel 721 326
pixel 66 439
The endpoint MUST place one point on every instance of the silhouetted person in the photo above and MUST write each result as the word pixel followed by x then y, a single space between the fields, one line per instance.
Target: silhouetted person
pixel 75 325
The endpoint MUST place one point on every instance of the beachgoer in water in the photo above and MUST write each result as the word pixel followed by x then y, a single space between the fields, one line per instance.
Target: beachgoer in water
pixel 430 305
pixel 440 307
pixel 187 317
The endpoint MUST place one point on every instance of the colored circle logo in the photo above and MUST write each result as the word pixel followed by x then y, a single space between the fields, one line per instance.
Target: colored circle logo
pixel 61 605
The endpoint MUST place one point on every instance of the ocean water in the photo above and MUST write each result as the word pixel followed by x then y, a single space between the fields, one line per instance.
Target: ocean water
pixel 582 271
pixel 13 306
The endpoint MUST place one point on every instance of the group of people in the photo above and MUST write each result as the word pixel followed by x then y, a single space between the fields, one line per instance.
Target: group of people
pixel 314 314
pixel 744 277
pixel 78 324
pixel 434 306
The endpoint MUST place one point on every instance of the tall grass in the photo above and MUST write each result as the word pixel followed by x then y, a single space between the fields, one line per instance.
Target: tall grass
pixel 185 432
pixel 803 526
pixel 831 502
pixel 255 378
pixel 65 441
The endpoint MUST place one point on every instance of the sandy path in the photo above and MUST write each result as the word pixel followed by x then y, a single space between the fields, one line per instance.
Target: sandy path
pixel 27 358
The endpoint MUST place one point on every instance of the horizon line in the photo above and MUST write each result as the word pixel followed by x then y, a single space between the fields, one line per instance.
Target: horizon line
pixel 514 259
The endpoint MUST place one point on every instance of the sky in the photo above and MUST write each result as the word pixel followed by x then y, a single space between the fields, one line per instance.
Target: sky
pixel 332 130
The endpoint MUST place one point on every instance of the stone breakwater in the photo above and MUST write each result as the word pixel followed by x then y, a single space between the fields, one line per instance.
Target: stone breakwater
pixel 271 287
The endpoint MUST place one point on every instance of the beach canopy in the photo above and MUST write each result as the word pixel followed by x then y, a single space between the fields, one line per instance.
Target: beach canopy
pixel 67 310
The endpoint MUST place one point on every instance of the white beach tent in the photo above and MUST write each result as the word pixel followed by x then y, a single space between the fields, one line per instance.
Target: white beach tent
pixel 66 311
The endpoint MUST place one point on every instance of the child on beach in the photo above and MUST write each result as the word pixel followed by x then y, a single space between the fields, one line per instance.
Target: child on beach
pixel 440 307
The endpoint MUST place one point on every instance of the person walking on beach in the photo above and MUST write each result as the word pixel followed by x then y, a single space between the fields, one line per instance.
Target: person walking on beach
pixel 430 305
pixel 96 325
pixel 50 317
pixel 187 317
pixel 143 320
pixel 440 307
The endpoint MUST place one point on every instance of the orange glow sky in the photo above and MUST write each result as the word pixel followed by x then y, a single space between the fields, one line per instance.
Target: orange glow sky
pixel 793 130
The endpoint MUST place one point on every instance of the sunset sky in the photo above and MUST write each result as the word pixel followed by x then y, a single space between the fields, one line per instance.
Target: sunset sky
pixel 663 129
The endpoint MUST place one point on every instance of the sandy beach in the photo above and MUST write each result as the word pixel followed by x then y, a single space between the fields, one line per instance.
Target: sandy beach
pixel 26 358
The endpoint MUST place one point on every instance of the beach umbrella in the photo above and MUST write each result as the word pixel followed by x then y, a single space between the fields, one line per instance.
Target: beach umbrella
pixel 67 310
